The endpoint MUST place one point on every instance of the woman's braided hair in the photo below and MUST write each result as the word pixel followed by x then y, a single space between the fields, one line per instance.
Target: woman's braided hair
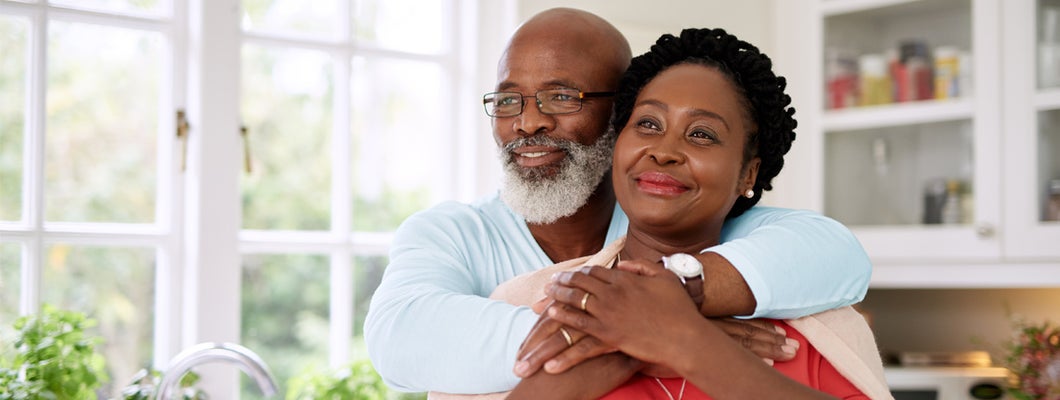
pixel 750 70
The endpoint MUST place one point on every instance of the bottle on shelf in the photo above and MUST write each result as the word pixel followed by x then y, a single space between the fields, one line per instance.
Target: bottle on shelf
pixel 875 86
pixel 947 72
pixel 951 208
pixel 1052 207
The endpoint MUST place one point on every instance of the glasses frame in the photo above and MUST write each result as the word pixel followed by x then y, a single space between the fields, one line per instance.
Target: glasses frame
pixel 540 104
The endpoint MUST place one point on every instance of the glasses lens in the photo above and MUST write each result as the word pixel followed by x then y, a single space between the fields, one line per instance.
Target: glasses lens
pixel 503 104
pixel 560 101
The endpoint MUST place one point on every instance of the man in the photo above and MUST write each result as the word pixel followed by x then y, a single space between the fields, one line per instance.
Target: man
pixel 431 327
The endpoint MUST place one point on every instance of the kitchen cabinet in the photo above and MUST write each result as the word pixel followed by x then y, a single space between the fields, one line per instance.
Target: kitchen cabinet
pixel 929 129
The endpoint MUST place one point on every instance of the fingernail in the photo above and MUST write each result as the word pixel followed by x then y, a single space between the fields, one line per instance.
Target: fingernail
pixel 548 287
pixel 780 330
pixel 769 361
pixel 790 346
pixel 555 276
pixel 551 366
pixel 521 367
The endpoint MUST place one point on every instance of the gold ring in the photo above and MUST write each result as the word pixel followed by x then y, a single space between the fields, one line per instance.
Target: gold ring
pixel 566 335
pixel 585 300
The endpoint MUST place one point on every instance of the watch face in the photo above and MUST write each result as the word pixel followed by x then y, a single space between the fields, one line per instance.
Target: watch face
pixel 683 265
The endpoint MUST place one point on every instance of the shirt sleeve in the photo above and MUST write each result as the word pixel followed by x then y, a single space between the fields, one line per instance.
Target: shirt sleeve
pixel 430 327
pixel 795 262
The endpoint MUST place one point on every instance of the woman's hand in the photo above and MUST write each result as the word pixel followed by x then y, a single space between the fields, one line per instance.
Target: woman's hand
pixel 638 314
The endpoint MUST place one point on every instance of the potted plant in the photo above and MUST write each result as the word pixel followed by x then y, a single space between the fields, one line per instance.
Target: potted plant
pixel 355 381
pixel 52 358
pixel 1034 360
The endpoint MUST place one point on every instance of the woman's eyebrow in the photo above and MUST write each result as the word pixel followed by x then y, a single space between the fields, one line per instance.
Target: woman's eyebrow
pixel 696 112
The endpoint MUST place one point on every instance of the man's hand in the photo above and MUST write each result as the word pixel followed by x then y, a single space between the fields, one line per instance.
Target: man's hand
pixel 547 346
pixel 761 337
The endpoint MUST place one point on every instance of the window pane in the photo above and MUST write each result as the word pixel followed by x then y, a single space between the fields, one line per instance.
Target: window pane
pixel 10 282
pixel 397 117
pixel 316 18
pixel 13 42
pixel 287 103
pixel 102 123
pixel 115 287
pixel 285 313
pixel 152 7
pixel 368 274
pixel 404 25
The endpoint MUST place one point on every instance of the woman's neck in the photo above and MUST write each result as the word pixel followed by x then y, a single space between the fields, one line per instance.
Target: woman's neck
pixel 644 245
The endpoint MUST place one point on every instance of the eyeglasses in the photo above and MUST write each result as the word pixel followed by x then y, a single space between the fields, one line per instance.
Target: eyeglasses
pixel 551 101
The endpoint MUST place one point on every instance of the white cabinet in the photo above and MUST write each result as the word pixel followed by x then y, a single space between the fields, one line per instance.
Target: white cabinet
pixel 923 126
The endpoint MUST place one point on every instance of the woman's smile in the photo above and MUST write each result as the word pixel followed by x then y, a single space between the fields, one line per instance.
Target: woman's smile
pixel 661 184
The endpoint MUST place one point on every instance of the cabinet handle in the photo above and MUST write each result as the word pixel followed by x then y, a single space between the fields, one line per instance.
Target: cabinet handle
pixel 246 148
pixel 183 128
pixel 984 230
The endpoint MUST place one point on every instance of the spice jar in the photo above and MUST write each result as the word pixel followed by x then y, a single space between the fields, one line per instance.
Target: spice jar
pixel 1052 206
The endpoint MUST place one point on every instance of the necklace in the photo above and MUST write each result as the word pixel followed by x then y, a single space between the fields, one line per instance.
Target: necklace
pixel 680 395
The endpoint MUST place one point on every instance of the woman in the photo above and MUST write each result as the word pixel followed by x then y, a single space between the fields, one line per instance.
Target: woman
pixel 704 127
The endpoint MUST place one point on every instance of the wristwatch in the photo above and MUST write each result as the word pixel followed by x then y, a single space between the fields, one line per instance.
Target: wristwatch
pixel 690 270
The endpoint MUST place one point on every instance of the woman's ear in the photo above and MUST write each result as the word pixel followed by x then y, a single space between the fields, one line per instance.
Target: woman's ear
pixel 750 175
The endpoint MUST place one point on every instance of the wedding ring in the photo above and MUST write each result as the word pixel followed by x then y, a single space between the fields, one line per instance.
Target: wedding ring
pixel 566 335
pixel 585 300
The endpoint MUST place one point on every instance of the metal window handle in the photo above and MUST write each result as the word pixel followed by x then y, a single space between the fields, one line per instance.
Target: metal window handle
pixel 984 230
pixel 246 147
pixel 183 129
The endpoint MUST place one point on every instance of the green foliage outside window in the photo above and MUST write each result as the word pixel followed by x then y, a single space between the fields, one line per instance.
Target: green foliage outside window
pixel 52 358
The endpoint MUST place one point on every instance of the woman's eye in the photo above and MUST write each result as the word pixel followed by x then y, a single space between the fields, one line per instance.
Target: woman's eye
pixel 703 135
pixel 648 124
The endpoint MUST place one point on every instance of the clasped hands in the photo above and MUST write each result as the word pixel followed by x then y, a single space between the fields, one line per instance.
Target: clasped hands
pixel 595 311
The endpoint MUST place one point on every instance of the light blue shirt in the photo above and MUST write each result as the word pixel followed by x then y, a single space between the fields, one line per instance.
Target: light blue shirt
pixel 431 326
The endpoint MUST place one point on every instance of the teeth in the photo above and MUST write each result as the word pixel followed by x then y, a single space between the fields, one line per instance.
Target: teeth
pixel 534 154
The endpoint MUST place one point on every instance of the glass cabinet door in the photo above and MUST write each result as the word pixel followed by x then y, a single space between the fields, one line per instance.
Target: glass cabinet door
pixel 1032 129
pixel 910 156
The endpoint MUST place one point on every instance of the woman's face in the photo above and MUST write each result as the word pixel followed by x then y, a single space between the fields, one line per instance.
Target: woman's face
pixel 678 164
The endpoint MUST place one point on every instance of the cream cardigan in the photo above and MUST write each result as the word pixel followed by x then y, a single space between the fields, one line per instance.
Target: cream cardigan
pixel 841 335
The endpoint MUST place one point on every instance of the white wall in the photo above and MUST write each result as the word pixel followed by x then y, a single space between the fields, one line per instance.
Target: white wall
pixel 642 23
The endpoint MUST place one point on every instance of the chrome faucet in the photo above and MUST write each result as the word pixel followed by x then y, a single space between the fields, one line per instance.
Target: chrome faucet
pixel 203 353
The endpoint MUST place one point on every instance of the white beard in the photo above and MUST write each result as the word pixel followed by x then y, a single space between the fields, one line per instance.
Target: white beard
pixel 543 199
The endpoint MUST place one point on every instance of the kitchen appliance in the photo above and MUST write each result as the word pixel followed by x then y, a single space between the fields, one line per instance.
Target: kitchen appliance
pixel 946 383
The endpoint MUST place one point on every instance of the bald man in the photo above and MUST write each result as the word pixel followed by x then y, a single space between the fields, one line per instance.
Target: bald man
pixel 432 327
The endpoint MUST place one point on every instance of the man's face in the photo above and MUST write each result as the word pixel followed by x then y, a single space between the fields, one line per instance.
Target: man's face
pixel 553 163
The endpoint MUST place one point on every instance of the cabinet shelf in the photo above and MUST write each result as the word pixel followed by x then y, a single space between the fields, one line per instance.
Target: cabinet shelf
pixel 882 7
pixel 1048 99
pixel 897 114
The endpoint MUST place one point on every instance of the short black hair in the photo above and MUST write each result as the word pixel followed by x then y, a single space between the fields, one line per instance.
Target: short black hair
pixel 751 71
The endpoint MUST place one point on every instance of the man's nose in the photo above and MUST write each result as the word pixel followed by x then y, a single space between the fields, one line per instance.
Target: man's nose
pixel 532 121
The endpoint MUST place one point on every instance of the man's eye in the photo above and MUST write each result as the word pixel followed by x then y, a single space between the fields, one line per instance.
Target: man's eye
pixel 562 97
pixel 507 101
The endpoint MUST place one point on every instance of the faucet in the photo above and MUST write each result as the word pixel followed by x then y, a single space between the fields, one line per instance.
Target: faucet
pixel 203 353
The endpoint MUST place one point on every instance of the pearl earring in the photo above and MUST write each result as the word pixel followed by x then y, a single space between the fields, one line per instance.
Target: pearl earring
pixel 749 194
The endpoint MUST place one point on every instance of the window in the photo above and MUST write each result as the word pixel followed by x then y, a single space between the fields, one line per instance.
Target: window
pixel 356 114
pixel 84 183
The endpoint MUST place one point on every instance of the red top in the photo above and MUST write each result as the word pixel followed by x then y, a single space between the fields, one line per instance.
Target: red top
pixel 808 367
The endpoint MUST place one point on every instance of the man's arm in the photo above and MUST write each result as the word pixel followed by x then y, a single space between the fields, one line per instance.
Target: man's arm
pixel 783 263
pixel 429 327
pixel 773 263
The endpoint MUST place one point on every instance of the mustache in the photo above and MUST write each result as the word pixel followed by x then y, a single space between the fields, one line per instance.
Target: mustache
pixel 539 140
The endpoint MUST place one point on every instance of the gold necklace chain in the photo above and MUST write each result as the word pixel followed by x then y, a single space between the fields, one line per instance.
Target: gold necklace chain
pixel 680 396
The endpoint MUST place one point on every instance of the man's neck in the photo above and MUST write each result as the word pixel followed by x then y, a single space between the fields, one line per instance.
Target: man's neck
pixel 580 234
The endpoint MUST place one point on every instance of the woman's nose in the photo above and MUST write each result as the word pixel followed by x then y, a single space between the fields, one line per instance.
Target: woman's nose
pixel 666 149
